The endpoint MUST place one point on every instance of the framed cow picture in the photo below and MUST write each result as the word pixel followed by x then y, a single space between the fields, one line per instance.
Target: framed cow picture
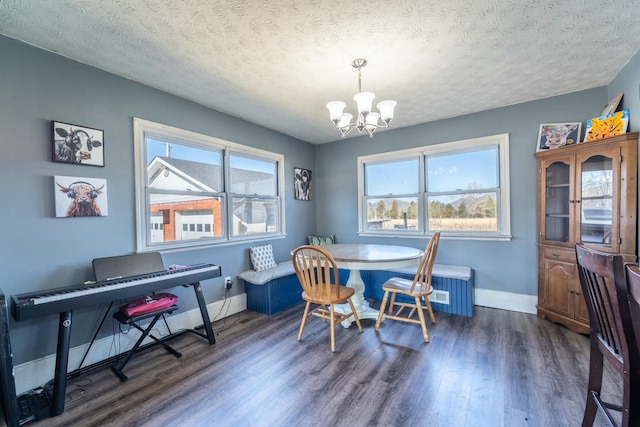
pixel 555 135
pixel 75 144
pixel 75 196
pixel 302 189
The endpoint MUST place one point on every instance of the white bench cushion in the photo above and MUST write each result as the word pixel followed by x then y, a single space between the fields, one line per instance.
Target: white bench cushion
pixel 440 270
pixel 284 268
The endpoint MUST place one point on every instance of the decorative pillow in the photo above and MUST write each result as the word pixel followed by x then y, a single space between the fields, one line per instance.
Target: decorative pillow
pixel 321 240
pixel 262 257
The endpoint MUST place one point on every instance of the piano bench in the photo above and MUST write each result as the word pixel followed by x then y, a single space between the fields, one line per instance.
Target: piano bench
pixel 123 318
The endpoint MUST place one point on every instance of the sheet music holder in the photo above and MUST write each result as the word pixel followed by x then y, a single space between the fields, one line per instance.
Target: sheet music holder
pixel 127 265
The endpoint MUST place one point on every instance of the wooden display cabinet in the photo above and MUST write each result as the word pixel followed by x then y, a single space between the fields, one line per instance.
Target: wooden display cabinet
pixel 587 193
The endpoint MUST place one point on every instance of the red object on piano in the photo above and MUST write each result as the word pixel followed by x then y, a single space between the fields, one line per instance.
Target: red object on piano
pixel 149 304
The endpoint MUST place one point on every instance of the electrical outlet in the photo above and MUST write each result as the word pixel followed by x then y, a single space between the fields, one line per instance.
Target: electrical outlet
pixel 228 282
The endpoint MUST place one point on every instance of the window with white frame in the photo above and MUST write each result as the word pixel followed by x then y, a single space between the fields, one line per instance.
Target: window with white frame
pixel 459 188
pixel 193 189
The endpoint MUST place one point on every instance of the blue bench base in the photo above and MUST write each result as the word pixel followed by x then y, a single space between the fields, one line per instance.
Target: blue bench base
pixel 274 296
pixel 283 292
pixel 460 291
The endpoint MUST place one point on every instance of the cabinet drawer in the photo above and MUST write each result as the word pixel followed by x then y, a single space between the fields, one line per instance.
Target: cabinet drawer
pixel 559 255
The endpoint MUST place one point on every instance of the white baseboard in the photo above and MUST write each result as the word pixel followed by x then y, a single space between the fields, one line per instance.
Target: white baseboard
pixel 36 373
pixel 505 300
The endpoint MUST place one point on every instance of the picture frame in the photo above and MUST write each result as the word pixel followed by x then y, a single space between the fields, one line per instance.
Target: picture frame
pixel 79 145
pixel 607 126
pixel 302 184
pixel 77 196
pixel 612 105
pixel 555 135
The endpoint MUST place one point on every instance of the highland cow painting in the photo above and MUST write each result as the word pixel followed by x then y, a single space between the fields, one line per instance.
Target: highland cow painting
pixel 75 197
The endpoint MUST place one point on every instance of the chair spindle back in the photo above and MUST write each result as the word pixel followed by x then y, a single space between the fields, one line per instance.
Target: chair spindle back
pixel 316 271
pixel 602 280
pixel 423 274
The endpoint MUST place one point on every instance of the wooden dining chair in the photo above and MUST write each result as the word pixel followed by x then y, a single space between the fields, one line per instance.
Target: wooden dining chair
pixel 418 289
pixel 319 277
pixel 633 289
pixel 602 277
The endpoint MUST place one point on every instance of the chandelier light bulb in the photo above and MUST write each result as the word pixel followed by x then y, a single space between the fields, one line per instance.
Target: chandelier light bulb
pixel 364 100
pixel 335 110
pixel 386 110
pixel 345 120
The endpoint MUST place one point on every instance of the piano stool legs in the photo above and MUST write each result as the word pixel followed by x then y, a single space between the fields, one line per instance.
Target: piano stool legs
pixel 124 319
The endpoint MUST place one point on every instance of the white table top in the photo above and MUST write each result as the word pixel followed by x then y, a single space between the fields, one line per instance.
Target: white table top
pixel 369 257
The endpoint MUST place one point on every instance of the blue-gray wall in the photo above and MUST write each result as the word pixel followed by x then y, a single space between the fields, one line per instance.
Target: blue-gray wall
pixel 628 82
pixel 40 251
pixel 505 266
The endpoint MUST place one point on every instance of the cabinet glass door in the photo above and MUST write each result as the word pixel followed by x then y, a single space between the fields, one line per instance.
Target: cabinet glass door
pixel 557 202
pixel 596 209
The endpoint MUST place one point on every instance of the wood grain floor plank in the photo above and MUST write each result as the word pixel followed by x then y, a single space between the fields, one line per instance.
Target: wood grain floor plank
pixel 498 369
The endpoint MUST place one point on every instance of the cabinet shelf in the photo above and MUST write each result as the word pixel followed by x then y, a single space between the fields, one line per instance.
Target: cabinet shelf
pixel 597 198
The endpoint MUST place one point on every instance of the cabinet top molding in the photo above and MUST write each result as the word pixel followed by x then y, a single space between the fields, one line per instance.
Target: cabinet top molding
pixel 584 145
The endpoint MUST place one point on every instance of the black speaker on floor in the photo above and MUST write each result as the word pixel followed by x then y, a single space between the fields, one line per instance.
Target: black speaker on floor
pixel 8 398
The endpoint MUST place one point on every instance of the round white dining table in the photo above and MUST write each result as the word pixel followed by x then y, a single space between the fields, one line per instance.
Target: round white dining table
pixel 357 257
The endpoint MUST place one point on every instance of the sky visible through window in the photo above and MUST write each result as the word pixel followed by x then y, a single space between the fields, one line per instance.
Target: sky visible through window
pixel 179 151
pixel 446 173
pixel 463 171
pixel 184 152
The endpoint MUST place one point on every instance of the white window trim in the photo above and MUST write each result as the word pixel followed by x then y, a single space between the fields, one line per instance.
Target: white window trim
pixel 501 140
pixel 140 127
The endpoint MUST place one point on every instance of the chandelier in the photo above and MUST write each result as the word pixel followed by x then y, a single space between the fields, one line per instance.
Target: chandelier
pixel 367 120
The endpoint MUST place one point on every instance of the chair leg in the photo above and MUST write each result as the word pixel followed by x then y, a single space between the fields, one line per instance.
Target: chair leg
pixel 633 396
pixel 423 322
pixel 304 320
pixel 392 303
pixel 355 315
pixel 595 383
pixel 332 322
pixel 427 304
pixel 381 311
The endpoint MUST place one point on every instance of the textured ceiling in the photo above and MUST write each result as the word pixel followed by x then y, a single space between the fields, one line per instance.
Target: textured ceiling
pixel 278 62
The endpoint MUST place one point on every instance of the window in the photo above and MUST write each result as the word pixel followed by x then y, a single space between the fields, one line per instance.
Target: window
pixel 193 189
pixel 459 188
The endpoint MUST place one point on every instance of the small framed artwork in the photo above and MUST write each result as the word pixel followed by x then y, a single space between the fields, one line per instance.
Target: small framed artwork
pixel 607 126
pixel 611 107
pixel 554 135
pixel 75 196
pixel 75 144
pixel 302 184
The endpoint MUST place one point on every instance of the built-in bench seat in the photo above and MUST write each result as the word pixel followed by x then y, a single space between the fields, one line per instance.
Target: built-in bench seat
pixel 276 289
pixel 272 290
pixel 452 284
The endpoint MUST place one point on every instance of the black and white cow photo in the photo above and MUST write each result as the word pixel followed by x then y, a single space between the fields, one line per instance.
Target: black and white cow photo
pixel 302 184
pixel 77 144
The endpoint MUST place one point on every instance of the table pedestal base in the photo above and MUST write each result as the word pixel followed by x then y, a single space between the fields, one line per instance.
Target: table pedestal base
pixel 361 305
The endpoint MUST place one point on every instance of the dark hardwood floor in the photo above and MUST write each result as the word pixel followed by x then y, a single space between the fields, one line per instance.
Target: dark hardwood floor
pixel 499 368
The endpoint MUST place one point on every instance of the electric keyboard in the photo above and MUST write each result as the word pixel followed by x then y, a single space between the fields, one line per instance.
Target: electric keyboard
pixel 37 304
pixel 66 299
